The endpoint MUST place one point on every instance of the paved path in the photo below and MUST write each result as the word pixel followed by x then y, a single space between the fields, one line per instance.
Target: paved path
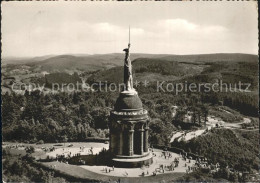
pixel 212 122
pixel 137 172
pixel 76 150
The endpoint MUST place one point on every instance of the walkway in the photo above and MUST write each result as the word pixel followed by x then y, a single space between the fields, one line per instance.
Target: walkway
pixel 137 172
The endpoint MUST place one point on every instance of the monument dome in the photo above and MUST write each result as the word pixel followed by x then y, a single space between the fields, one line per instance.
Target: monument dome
pixel 128 103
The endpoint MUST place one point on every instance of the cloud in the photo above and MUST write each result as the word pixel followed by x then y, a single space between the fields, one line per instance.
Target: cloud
pixel 177 24
pixel 54 30
pixel 105 27
pixel 182 27
pixel 171 35
pixel 214 28
pixel 32 29
pixel 137 31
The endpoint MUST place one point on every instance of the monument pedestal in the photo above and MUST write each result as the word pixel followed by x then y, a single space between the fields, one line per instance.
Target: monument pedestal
pixel 134 161
pixel 129 132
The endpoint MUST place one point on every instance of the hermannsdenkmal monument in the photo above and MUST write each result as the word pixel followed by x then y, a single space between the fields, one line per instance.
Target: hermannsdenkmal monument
pixel 128 125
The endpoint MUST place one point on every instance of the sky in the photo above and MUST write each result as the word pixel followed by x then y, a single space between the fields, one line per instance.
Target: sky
pixel 31 29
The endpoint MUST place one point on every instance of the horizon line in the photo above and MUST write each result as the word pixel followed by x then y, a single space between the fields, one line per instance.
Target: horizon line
pixel 86 54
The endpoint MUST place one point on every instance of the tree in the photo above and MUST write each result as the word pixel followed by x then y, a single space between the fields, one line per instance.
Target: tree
pixel 30 150
pixel 205 111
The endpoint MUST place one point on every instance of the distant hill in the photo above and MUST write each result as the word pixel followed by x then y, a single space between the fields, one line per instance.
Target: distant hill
pixel 151 69
pixel 216 57
pixel 84 62
pixel 231 68
pixel 164 67
pixel 57 79
pixel 23 60
pixel 74 62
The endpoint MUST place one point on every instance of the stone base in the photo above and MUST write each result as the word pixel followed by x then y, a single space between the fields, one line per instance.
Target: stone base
pixel 129 92
pixel 132 161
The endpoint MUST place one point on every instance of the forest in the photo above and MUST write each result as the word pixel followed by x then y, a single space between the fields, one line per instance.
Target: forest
pixel 75 116
pixel 235 149
pixel 37 117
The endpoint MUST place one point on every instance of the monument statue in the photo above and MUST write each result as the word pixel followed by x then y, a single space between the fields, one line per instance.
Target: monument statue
pixel 128 78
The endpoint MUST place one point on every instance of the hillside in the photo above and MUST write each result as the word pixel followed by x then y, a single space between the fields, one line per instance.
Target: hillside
pixel 84 62
pixel 152 69
pixel 23 60
pixel 215 57
pixel 55 79
pixel 227 147
pixel 240 67
pixel 211 68
pixel 76 62
pixel 229 73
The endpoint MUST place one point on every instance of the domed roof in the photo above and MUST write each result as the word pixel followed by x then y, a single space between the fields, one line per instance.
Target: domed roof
pixel 126 102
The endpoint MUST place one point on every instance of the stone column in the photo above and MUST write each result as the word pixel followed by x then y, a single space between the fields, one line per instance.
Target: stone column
pixel 120 152
pixel 142 140
pixel 130 142
pixel 146 139
pixel 112 143
pixel 110 140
